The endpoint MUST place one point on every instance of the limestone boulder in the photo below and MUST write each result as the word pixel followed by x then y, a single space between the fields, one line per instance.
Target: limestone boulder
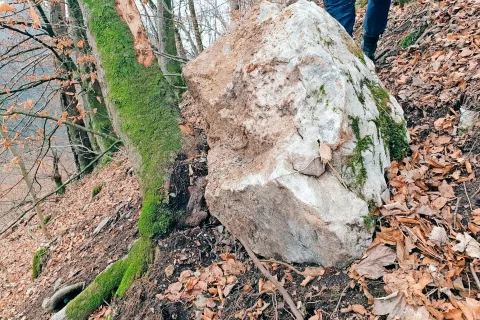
pixel 301 131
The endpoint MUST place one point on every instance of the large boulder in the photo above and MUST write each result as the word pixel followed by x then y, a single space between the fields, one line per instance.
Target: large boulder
pixel 282 83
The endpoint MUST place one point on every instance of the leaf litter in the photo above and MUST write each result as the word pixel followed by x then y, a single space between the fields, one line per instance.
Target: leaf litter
pixel 433 233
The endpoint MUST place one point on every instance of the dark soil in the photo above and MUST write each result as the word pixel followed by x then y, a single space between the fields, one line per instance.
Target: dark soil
pixel 199 247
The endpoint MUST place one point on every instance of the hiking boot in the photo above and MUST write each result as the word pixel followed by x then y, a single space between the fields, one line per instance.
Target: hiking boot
pixel 369 46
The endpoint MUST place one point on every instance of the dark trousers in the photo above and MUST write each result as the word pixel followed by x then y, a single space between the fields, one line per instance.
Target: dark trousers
pixel 375 20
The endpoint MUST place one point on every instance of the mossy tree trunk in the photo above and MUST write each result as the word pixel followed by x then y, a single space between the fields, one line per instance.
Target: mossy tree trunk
pixel 144 113
pixel 92 96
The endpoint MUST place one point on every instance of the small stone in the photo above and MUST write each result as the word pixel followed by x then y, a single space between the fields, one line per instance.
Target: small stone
pixel 468 119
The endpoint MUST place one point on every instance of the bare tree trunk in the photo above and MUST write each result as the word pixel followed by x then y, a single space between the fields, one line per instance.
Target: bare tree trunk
pixel 81 145
pixel 161 30
pixel 28 183
pixel 179 44
pixel 196 29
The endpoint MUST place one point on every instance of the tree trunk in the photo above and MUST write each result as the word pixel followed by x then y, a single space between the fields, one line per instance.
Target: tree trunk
pixel 92 96
pixel 180 48
pixel 144 113
pixel 57 177
pixel 196 29
pixel 168 42
pixel 79 139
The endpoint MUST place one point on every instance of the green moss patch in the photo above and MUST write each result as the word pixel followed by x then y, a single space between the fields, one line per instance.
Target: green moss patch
pixel 40 259
pixel 412 37
pixel 354 49
pixel 355 160
pixel 394 134
pixel 96 190
pixel 101 289
pixel 370 222
pixel 142 97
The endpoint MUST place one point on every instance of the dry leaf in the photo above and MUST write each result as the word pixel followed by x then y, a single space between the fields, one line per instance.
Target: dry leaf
pixel 169 270
pixel 467 245
pixel 80 44
pixel 372 266
pixel 317 315
pixel 438 236
pixel 325 152
pixel 306 281
pixel 5 7
pixel 446 190
pixel 396 307
pixel 314 272
pixel 35 17
pixel 439 203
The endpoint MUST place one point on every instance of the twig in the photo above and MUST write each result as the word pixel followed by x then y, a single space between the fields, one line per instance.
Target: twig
pixel 338 175
pixel 68 123
pixel 455 213
pixel 275 282
pixel 335 311
pixel 474 274
pixel 469 287
pixel 466 193
pixel 275 306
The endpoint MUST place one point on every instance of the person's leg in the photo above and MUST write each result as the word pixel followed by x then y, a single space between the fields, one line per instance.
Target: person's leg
pixel 375 23
pixel 343 11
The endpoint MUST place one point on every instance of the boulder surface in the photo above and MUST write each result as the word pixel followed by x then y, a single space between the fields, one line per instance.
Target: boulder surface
pixel 301 131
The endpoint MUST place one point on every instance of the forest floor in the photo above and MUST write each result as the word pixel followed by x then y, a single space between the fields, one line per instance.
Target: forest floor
pixel 430 60
pixel 75 254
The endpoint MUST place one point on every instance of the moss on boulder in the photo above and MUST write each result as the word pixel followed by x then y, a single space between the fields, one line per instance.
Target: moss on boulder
pixel 393 133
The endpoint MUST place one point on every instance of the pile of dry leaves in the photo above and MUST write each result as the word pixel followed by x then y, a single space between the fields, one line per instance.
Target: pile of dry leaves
pixel 436 256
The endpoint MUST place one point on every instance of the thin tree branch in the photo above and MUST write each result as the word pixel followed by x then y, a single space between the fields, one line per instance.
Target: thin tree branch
pixel 74 125
pixel 278 285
